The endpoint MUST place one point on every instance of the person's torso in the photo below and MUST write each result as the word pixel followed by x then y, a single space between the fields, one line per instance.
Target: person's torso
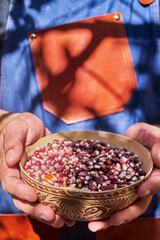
pixel 20 84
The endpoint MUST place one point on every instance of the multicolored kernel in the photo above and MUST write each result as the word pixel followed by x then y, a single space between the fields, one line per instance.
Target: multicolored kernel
pixel 90 165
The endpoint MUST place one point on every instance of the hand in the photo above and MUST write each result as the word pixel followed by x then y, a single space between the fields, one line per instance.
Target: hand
pixel 19 132
pixel 149 136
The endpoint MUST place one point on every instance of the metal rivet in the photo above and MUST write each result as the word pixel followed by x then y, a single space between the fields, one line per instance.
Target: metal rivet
pixel 116 17
pixel 33 36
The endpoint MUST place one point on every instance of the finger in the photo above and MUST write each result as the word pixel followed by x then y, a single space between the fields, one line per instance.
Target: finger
pixel 149 136
pixel 123 216
pixel 144 133
pixel 151 186
pixel 131 213
pixel 20 132
pixel 155 152
pixel 16 187
pixel 95 226
pixel 35 210
pixel 40 212
pixel 11 182
pixel 58 221
pixel 69 223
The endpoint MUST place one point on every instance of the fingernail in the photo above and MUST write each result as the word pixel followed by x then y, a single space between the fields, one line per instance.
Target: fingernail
pixel 94 228
pixel 27 198
pixel 123 222
pixel 9 156
pixel 158 157
pixel 43 217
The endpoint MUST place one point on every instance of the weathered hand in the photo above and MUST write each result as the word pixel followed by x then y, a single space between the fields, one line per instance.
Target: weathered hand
pixel 19 132
pixel 149 136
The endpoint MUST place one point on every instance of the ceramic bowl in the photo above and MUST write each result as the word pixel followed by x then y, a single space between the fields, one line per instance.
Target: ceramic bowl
pixel 76 204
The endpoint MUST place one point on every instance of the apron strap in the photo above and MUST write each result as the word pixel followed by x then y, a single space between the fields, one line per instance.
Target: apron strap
pixel 146 2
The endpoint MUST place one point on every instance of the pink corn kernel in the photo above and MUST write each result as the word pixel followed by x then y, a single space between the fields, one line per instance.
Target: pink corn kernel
pixel 90 165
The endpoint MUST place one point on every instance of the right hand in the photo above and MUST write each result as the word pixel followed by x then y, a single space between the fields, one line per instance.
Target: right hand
pixel 21 131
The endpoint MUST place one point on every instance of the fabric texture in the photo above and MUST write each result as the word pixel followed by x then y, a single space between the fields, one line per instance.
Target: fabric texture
pixel 20 91
pixel 3 21
pixel 75 66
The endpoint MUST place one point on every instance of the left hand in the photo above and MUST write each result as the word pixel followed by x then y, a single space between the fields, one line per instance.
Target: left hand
pixel 19 131
pixel 149 136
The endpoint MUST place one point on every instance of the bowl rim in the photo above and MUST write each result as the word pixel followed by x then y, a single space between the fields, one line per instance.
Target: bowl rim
pixel 72 189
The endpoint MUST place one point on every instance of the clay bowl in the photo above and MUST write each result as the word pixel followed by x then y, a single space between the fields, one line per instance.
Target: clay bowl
pixel 76 204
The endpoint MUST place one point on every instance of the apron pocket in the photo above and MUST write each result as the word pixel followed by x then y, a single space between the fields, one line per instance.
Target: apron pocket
pixel 84 68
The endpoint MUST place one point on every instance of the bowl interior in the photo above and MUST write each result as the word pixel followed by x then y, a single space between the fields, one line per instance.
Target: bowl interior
pixel 115 140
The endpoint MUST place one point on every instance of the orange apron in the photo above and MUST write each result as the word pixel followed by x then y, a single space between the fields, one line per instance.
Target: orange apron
pixel 20 227
pixel 84 68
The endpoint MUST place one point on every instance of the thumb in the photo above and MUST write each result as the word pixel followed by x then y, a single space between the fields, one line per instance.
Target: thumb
pixel 151 186
pixel 19 133
pixel 149 136
pixel 14 140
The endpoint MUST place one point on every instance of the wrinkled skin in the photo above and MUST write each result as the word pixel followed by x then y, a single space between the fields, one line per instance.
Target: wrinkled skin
pixel 23 129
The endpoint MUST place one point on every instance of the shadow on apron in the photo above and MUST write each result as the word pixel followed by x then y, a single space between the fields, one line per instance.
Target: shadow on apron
pixel 84 68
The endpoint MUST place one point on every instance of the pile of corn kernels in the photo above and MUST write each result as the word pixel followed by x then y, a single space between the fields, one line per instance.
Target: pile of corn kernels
pixel 90 165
